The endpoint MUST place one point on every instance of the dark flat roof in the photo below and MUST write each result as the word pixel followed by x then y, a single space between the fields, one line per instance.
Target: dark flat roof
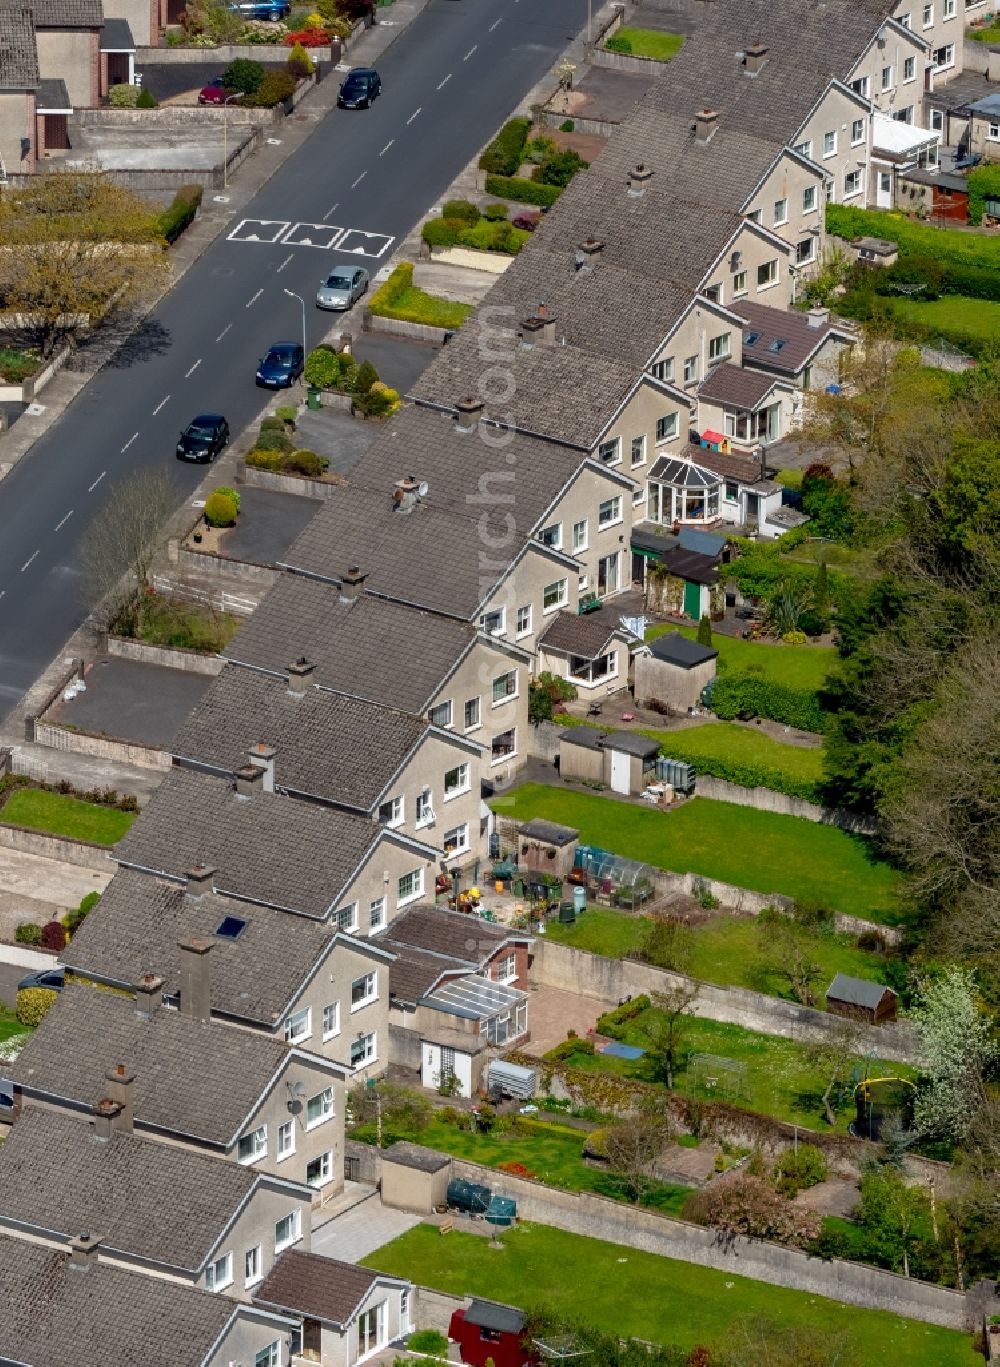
pixel 677 650
pixel 549 832
pixel 408 1155
pixel 116 36
pixel 489 1315
pixel 53 97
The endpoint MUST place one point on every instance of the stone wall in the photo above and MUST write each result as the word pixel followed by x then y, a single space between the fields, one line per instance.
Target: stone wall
pixel 593 975
pixel 167 657
pixel 767 800
pixel 207 566
pixel 433 1309
pixel 104 747
pixel 76 852
pixel 287 484
pixel 396 327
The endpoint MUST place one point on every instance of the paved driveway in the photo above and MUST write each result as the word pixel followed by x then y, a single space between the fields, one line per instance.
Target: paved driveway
pixel 362 1229
pixel 268 524
pixel 133 701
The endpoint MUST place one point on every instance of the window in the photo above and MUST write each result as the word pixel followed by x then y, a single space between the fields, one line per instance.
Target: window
pixel 582 583
pixel 441 714
pixel 579 536
pixel 805 251
pixel 504 687
pixel 473 714
pixel 372 1330
pixel 904 115
pixel 720 346
pixel 319 1108
pixel 809 199
pixel 299 1026
pixel 253 1146
pixel 732 492
pixel 804 149
pixel 937 120
pixel 506 969
pixel 690 369
pixel 391 813
pixel 552 536
pixel 523 626
pixel 638 451
pixel 410 886
pixel 857 132
pixel 220 1273
pixel 610 451
pixel 331 1014
pixel 714 292
pixel 830 144
pixel 269 1356
pixel 767 274
pixel 364 990
pixel 754 215
pixel 376 914
pixel 286 1140
pixel 252 1266
pixel 503 746
pixel 288 1231
pixel 493 623
pixel 456 841
pixel 780 212
pixel 664 370
pixel 949 9
pixel 909 68
pixel 739 284
pixel 347 918
pixel 425 808
pixel 610 511
pixel 852 184
pixel 860 87
pixel 457 780
pixel 907 20
pixel 320 1170
pixel 945 56
pixel 928 16
pixel 554 595
pixel 362 1051
pixel 607 574
pixel 887 78
pixel 994 132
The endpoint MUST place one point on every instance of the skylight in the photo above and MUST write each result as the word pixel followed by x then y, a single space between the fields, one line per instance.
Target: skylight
pixel 778 343
pixel 750 338
pixel 231 928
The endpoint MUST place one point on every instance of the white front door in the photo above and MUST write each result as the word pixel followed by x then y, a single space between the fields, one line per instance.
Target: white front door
pixel 620 765
pixel 883 190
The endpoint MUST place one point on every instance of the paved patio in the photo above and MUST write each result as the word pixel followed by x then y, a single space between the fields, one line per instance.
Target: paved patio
pixel 361 1230
pixel 553 1013
pixel 132 701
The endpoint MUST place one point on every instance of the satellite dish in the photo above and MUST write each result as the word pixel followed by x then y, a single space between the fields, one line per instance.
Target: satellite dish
pixel 294 1107
pixel 423 489
pixel 297 1089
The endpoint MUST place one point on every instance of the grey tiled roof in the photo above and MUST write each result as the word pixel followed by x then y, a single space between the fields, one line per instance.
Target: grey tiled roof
pixel 341 749
pixel 371 648
pixel 191 1078
pixel 322 1288
pixel 798 336
pixel 143 1198
pixel 68 13
pixel 586 636
pixel 277 850
pixel 413 972
pixel 58 1316
pixel 138 925
pixel 857 991
pixel 466 938
pixel 18 54
pixel 730 384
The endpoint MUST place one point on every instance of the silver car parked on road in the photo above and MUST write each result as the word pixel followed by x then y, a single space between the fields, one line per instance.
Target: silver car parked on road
pixel 342 288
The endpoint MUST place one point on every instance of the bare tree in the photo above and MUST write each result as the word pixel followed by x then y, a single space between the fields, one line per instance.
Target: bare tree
pixel 122 539
pixel 676 1011
pixel 632 1149
pixel 833 1057
pixel 790 957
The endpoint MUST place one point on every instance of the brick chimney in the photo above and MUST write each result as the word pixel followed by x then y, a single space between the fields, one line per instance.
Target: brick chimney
pixel 539 329
pixel 194 972
pixel 249 782
pixel 405 494
pixel 299 675
pixel 351 584
pixel 119 1090
pixel 148 996
pixel 587 254
pixel 199 881
pixel 83 1252
pixel 705 123
pixel 818 317
pixel 754 58
pixel 106 1113
pixel 467 414
pixel 638 178
pixel 261 756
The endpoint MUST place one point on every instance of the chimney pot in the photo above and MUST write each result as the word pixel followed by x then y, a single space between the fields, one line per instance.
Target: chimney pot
pixel 638 178
pixel 351 584
pixel 468 412
pixel 705 122
pixel 120 1093
pixel 107 1114
pixel 818 317
pixel 199 880
pixel 261 757
pixel 83 1251
pixel 539 330
pixel 194 975
pixel 299 675
pixel 148 1000
pixel 249 781
pixel 754 58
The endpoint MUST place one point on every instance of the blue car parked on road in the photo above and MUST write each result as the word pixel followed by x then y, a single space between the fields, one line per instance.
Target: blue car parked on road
pixel 282 366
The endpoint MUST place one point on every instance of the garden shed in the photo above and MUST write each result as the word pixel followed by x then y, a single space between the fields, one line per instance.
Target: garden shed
pixel 674 671
pixel 547 847
pixel 623 761
pixel 414 1177
pixel 861 1000
pixel 488 1332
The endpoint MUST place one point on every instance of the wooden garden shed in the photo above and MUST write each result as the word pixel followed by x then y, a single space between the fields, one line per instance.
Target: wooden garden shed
pixel 861 1000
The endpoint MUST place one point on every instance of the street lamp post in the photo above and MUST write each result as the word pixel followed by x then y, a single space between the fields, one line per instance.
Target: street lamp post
pixel 225 136
pixel 292 295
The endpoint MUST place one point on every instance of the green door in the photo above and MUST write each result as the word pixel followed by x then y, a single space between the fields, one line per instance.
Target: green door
pixel 692 600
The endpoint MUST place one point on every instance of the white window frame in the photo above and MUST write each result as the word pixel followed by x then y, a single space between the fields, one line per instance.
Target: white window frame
pixel 909 69
pixel 774 279
pixel 804 149
pixel 447 707
pixel 285 1141
pixel 501 628
pixel 504 758
pixel 780 211
pixel 690 369
pixel 610 452
pixel 369 985
pixel 721 345
pixel 949 9
pixel 269 1356
pixel 508 695
pixel 294 1035
pixel 949 56
pixel 561 587
pixel 219 1273
pixel 458 837
pixel 396 812
pixel 856 179
pixel 993 132
pixel 477 710
pixel 639 442
pixel 664 370
pixel 376 908
pixel 370 1054
pixel 348 918
pixel 327 1108
pixel 581 539
pixel 927 17
pixel 829 144
pixel 416 879
pixel 294 1222
pixel 609 513
pixel 506 969
pixel 810 200
pixel 325 1160
pixel 858 132
pixel 461 774
pixel 552 536
pixel 425 809
pixel 256 1139
pixel 523 626
pixel 331 1019
pixel 253 1266
pixel 740 285
pixel 885 78
pixel 810 254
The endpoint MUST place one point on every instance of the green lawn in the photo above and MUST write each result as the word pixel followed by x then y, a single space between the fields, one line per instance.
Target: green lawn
pixel 742 745
pixel 649 42
pixel 989 33
pixel 727 950
pixel 762 851
pixel 803 666
pixel 57 814
pixel 634 1294
pixel 953 315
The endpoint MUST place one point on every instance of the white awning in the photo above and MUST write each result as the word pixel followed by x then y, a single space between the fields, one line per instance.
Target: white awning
pixel 897 139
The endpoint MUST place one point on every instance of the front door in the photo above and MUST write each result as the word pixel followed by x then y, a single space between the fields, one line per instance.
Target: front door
pixel 692 600
pixel 607 575
pixel 619 772
pixel 883 193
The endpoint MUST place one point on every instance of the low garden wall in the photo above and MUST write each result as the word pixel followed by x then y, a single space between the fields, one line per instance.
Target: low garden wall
pixel 206 565
pixel 396 327
pixel 594 975
pixel 28 389
pixel 76 852
pixel 166 657
pixel 224 53
pixel 433 1309
pixel 287 484
pixel 175 116
pixel 625 61
pixel 767 800
pixel 76 742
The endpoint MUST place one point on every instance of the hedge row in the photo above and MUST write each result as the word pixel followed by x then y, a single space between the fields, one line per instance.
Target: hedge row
pixel 484 236
pixel 504 154
pixel 949 247
pixel 746 695
pixel 523 191
pixel 180 214
pixel 400 298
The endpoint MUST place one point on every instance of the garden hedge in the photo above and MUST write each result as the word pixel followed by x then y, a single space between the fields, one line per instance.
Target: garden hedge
pixel 522 191
pixel 747 695
pixel 180 215
pixel 504 154
pixel 950 248
pixel 32 1005
pixel 400 298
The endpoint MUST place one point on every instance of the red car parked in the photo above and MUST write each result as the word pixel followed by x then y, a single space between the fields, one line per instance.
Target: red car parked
pixel 213 93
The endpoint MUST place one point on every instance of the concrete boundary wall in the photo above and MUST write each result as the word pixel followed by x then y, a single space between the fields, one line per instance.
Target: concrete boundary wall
pixel 205 565
pixel 593 975
pixel 77 852
pixel 166 657
pixel 58 737
pixel 287 484
pixel 767 800
pixel 398 327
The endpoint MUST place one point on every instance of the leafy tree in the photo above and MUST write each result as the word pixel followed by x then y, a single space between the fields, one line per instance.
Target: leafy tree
pixel 243 76
pixel 705 630
pixel 958 1053
pixel 828 503
pixel 675 1011
pixel 897 1220
pixel 790 956
pixel 748 1204
pixel 539 703
pixel 667 943
pixel 632 1149
pixel 121 542
pixel 833 1057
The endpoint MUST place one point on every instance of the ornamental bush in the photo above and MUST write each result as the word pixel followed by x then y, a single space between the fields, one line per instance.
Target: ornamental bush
pixel 125 96
pixel 307 37
pixel 365 376
pixel 225 489
pixel 220 510
pixel 243 75
pixel 324 367
pixel 54 936
pixel 27 933
pixel 146 100
pixel 560 168
pixel 274 88
pixel 796 1170
pixel 181 213
pixel 300 64
pixel 286 414
pixel 495 212
pixel 428 1341
pixel 573 1047
pixel 504 154
pixel 442 232
pixel 261 459
pixel 271 440
pixel 33 1004
pixel 462 209
pixel 306 463
pixel 522 191
pixel 745 695
pixel 612 1023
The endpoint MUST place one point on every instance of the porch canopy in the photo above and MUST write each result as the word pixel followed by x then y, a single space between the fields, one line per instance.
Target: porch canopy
pixel 904 142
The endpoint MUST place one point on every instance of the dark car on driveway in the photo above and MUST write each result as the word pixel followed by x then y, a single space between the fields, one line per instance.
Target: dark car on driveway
pixel 282 366
pixel 203 438
pixel 52 978
pixel 360 88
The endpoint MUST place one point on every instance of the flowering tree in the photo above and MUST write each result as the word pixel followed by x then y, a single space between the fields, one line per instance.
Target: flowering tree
pixel 957 1052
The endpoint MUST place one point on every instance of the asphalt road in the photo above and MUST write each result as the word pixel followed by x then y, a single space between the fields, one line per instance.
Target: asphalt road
pixel 448 81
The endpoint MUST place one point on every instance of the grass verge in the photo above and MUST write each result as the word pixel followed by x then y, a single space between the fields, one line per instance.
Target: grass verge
pixel 57 814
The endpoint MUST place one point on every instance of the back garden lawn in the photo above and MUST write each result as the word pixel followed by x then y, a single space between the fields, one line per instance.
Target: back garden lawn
pixel 953 316
pixel 762 851
pixel 803 666
pixel 639 1295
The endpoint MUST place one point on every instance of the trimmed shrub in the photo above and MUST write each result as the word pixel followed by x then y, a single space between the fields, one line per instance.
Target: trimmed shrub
pixel 495 212
pixel 260 459
pixel 365 377
pixel 705 630
pixel 494 237
pixel 560 168
pixel 399 298
pixel 504 154
pixel 428 1341
pixel 220 510
pixel 522 191
pixel 286 414
pixel 276 87
pixel 299 63
pixel 619 43
pixel 612 1023
pixel 54 936
pixel 146 100
pixel 571 1048
pixel 462 209
pixel 243 75
pixel 326 368
pixel 748 695
pixel 123 96
pixel 797 1170
pixel 271 440
pixel 527 222
pixel 307 37
pixel 567 126
pixel 27 933
pixel 304 462
pixel 33 1004
pixel 231 493
pixel 377 402
pixel 181 213
pixel 441 232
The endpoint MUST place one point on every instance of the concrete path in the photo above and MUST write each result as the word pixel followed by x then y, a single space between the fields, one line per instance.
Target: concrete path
pixel 83 771
pixel 362 1229
pixel 33 888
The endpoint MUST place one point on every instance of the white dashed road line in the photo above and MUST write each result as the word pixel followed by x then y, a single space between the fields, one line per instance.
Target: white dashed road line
pixel 284 263
pixel 64 521
pixel 254 299
pixel 96 482
pixel 223 332
pixel 160 405
pixel 386 147
pixel 132 438
pixel 28 562
pixel 414 115
pixel 470 52
pixel 494 25
pixel 442 84
pixel 331 211
pixel 356 183
pixel 189 373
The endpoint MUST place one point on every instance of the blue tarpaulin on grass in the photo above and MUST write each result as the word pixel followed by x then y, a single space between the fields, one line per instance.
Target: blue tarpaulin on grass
pixel 623 1050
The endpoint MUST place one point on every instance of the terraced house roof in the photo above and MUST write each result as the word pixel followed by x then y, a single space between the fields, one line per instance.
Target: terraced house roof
pixel 18 54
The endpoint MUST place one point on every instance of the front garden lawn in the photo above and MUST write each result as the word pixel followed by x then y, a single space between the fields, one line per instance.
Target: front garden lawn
pixel 804 666
pixel 633 1294
pixel 953 316
pixel 763 851
pixel 728 950
pixel 57 814
pixel 16 365
pixel 650 42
